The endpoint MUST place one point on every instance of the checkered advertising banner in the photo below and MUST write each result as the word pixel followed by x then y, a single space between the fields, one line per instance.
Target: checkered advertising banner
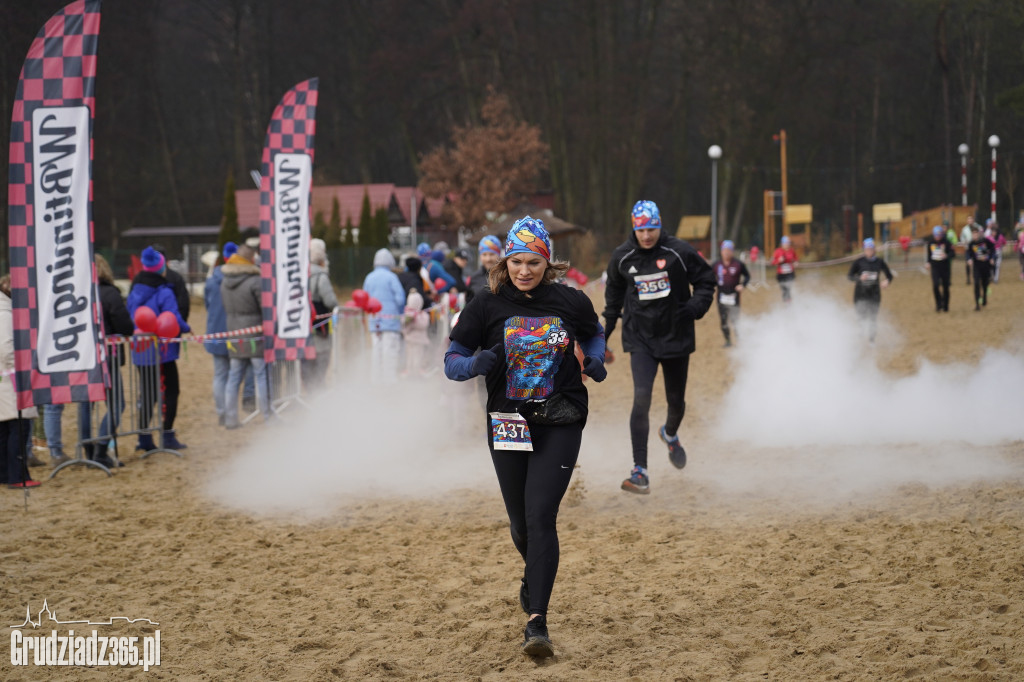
pixel 57 335
pixel 287 178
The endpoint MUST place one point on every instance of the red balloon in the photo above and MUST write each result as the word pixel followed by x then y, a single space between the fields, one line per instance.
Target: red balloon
pixel 360 297
pixel 373 305
pixel 167 325
pixel 145 319
pixel 440 286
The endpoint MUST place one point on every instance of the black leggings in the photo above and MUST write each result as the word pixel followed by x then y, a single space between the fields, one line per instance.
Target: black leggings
pixel 940 285
pixel 532 485
pixel 645 367
pixel 728 316
pixel 169 384
pixel 982 278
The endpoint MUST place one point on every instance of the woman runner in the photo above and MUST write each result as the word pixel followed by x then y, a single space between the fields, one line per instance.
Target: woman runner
pixel 529 327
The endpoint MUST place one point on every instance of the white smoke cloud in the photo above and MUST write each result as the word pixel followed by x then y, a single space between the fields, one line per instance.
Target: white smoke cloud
pixel 810 418
pixel 416 438
pixel 805 375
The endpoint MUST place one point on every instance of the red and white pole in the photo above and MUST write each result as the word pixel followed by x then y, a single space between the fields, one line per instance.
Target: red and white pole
pixel 963 149
pixel 993 142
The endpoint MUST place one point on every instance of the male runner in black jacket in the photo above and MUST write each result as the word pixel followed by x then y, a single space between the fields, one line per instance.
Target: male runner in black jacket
pixel 651 275
pixel 870 275
pixel 939 253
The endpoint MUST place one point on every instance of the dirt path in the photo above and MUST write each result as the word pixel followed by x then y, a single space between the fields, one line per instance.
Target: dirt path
pixel 706 579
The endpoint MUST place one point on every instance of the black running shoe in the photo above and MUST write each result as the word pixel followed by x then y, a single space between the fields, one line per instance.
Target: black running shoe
pixel 535 638
pixel 676 453
pixel 524 597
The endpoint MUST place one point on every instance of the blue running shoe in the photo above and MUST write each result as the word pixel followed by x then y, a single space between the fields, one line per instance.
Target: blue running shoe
pixel 676 453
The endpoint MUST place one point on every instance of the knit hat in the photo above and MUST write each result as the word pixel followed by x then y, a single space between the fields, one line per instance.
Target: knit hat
pixel 646 215
pixel 490 243
pixel 317 251
pixel 383 258
pixel 727 244
pixel 869 243
pixel 784 241
pixel 414 300
pixel 528 236
pixel 230 249
pixel 423 250
pixel 152 260
pixel 461 253
pixel 437 255
pixel 938 230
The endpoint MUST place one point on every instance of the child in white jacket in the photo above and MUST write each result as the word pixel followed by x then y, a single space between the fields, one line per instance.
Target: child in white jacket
pixel 417 321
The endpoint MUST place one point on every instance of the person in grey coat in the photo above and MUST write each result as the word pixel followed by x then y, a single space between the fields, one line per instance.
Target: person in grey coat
pixel 324 301
pixel 240 294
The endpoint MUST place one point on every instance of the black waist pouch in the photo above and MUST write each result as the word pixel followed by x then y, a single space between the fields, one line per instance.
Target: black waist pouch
pixel 554 411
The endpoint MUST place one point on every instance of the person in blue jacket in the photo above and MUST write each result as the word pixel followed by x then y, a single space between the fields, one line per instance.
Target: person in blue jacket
pixel 216 322
pixel 435 267
pixel 386 325
pixel 151 289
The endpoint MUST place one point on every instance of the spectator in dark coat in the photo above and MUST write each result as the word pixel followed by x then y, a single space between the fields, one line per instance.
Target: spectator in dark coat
pixel 455 267
pixel 412 278
pixel 116 322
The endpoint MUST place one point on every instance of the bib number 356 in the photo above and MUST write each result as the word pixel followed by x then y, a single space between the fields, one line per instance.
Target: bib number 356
pixel 654 286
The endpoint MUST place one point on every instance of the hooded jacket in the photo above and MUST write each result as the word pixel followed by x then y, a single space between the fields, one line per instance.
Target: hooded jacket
pixel 240 294
pixel 320 289
pixel 216 318
pixel 180 289
pixel 8 401
pixel 152 290
pixel 383 285
pixel 651 290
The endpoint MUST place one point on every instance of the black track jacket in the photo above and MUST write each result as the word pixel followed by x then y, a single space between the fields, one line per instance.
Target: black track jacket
pixel 654 286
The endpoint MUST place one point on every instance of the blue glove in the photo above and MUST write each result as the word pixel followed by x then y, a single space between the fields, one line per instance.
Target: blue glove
pixel 487 359
pixel 594 368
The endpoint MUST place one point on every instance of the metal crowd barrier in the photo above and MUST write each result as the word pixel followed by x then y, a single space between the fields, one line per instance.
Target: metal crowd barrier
pixel 285 379
pixel 134 404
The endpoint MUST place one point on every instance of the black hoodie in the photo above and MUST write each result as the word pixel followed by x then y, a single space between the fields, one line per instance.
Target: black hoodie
pixel 654 285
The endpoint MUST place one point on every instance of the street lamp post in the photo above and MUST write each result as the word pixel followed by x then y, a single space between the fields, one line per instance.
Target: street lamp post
pixel 993 141
pixel 963 149
pixel 714 153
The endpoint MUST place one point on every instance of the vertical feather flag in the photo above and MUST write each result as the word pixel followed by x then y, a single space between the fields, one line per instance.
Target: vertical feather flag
pixel 287 179
pixel 57 333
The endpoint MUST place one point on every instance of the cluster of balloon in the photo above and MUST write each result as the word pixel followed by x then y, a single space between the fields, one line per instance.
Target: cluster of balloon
pixel 364 301
pixel 148 322
pixel 440 285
